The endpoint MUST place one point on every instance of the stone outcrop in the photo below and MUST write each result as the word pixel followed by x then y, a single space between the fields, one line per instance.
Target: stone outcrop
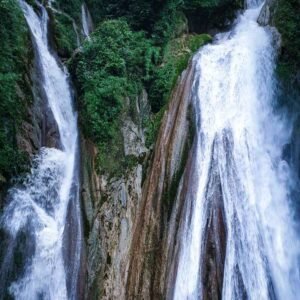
pixel 132 221
pixel 266 16
pixel 151 249
pixel 110 208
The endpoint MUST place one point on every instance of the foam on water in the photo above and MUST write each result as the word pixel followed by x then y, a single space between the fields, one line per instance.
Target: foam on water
pixel 241 139
pixel 41 203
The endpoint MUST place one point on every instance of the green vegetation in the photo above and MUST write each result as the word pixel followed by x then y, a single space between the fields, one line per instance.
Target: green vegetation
pixel 70 7
pixel 110 69
pixel 114 66
pixel 175 59
pixel 137 44
pixel 15 51
pixel 64 34
pixel 287 20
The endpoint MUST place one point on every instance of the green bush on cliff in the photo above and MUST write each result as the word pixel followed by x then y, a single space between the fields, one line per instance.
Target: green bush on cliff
pixel 110 71
pixel 177 54
pixel 70 7
pixel 287 20
pixel 64 35
pixel 175 59
pixel 110 68
pixel 14 52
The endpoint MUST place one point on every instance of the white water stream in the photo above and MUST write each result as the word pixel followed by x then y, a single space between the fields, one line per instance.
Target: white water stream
pixel 86 20
pixel 241 139
pixel 42 203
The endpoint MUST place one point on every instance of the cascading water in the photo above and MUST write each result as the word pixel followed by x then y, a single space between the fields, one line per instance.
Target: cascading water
pixel 86 20
pixel 41 206
pixel 243 183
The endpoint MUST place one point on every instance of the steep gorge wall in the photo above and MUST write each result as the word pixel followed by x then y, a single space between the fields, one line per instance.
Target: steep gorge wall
pixel 110 206
pixel 149 254
pixel 128 248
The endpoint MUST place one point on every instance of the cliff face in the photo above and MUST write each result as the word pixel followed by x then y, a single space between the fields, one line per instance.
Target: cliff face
pixel 111 205
pixel 151 249
pixel 129 250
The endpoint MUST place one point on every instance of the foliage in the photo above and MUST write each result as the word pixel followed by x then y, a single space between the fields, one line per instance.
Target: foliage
pixel 70 7
pixel 14 51
pixel 171 24
pixel 195 4
pixel 64 34
pixel 287 20
pixel 176 56
pixel 110 69
pixel 140 14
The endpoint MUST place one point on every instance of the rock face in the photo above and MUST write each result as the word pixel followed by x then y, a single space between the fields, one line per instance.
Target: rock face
pixel 110 208
pixel 214 244
pixel 267 13
pixel 39 128
pixel 129 246
pixel 153 247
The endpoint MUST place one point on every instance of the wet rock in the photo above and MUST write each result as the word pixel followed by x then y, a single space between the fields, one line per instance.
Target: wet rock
pixel 134 140
pixel 267 13
pixel 110 209
pixel 214 247
pixel 150 250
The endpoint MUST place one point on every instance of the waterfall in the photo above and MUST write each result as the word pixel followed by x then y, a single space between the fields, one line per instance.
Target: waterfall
pixel 86 20
pixel 238 236
pixel 47 204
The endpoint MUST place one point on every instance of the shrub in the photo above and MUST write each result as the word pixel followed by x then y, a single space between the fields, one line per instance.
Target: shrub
pixel 110 68
pixel 287 20
pixel 15 52
pixel 110 71
pixel 176 56
pixel 64 35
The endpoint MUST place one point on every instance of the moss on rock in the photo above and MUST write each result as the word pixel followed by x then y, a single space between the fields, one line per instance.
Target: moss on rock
pixel 287 20
pixel 15 91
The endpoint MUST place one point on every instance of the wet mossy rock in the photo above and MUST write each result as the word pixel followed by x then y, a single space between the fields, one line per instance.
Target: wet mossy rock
pixel 65 37
pixel 285 16
pixel 176 55
pixel 15 87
